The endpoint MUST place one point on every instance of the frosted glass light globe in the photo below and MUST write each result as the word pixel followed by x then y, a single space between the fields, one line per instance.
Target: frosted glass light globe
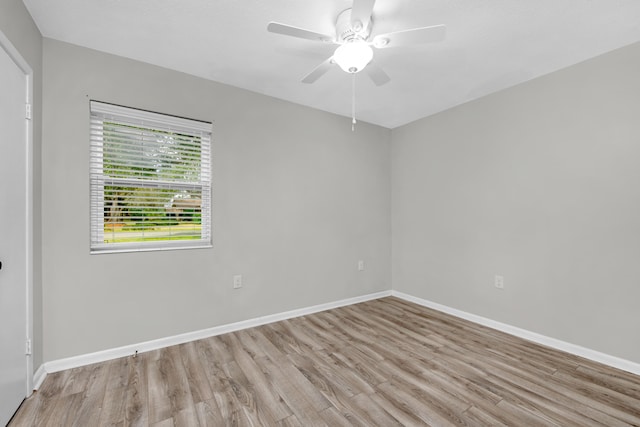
pixel 353 56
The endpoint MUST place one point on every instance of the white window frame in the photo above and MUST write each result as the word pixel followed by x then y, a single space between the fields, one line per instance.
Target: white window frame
pixel 101 112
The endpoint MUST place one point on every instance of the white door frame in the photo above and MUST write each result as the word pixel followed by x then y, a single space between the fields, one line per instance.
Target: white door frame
pixel 13 53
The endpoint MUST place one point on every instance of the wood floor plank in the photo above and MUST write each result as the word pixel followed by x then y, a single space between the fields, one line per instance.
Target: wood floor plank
pixel 293 328
pixel 566 401
pixel 477 417
pixel 400 397
pixel 136 411
pixel 186 417
pixel 198 383
pixel 169 391
pixel 39 409
pixel 619 405
pixel 379 363
pixel 92 396
pixel 333 369
pixel 412 377
pixel 524 417
pixel 331 386
pixel 536 401
pixel 354 408
pixel 29 410
pixel 290 421
pixel 226 401
pixel 78 381
pixel 269 348
pixel 392 327
pixel 299 394
pixel 287 343
pixel 365 409
pixel 248 398
pixel 113 410
pixel 613 379
pixel 399 410
pixel 65 410
pixel 251 347
pixel 164 423
pixel 270 405
pixel 209 414
pixel 332 417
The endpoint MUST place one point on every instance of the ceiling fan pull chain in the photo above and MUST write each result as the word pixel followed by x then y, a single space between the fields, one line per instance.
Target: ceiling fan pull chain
pixel 353 103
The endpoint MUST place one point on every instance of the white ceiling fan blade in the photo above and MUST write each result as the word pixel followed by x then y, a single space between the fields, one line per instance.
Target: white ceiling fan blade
pixel 377 75
pixel 319 71
pixel 289 30
pixel 361 13
pixel 431 34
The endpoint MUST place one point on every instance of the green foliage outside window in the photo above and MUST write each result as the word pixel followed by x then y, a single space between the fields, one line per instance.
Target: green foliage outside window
pixel 151 207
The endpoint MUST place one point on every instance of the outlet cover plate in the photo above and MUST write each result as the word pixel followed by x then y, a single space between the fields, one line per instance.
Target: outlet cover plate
pixel 237 281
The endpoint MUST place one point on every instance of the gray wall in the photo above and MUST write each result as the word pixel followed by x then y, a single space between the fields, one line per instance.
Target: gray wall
pixel 298 200
pixel 16 24
pixel 539 183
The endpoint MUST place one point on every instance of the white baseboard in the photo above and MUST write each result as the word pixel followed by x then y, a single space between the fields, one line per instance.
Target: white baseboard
pixel 109 354
pixel 577 350
pixel 39 376
pixel 128 350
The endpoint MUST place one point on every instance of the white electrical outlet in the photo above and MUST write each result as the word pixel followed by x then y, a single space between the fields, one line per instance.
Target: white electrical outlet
pixel 498 281
pixel 361 265
pixel 237 281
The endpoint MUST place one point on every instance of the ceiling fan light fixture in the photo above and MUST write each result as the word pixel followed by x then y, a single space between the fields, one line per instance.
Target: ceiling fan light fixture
pixel 353 56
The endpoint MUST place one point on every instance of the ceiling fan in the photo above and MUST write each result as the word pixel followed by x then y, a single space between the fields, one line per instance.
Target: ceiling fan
pixel 354 40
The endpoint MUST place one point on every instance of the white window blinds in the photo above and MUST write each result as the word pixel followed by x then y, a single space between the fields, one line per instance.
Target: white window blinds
pixel 150 180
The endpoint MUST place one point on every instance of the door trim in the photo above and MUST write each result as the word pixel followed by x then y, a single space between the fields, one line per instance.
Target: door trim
pixel 17 58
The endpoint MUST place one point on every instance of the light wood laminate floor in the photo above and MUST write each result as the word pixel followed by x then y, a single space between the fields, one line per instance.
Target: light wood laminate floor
pixel 384 362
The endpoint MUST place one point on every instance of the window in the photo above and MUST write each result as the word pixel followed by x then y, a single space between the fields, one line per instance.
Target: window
pixel 150 180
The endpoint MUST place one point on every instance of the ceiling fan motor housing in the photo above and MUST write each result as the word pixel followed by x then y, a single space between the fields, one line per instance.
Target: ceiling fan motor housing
pixel 345 32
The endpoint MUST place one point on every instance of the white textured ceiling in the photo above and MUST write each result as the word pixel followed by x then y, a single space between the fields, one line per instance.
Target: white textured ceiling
pixel 490 45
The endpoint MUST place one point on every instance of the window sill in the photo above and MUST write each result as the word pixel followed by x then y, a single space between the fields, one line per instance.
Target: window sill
pixel 123 248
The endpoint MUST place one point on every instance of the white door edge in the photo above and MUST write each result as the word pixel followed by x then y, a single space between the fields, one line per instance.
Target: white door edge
pixel 17 58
